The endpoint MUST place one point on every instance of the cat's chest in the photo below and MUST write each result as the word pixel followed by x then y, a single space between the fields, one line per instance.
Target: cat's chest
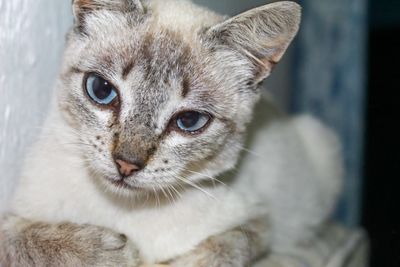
pixel 160 233
pixel 166 232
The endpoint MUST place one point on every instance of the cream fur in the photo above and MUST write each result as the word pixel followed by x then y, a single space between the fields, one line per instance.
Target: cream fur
pixel 279 179
pixel 189 18
pixel 291 178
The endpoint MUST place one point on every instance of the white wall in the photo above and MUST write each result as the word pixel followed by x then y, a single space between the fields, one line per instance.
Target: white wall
pixel 31 40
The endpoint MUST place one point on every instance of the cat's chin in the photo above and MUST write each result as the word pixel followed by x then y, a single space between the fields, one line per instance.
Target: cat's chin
pixel 138 195
pixel 121 184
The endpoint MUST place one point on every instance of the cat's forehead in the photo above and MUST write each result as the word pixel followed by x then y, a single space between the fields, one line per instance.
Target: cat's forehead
pixel 150 67
pixel 156 63
pixel 159 49
pixel 151 59
pixel 166 27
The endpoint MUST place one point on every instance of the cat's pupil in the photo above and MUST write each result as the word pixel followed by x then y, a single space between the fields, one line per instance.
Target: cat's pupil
pixel 189 119
pixel 101 88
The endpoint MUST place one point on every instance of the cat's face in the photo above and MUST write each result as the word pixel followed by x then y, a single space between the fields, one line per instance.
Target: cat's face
pixel 156 106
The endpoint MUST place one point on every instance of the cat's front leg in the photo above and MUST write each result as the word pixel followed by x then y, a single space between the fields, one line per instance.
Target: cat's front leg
pixel 239 247
pixel 26 243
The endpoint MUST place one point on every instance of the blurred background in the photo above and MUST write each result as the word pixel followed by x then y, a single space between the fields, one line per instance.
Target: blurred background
pixel 342 68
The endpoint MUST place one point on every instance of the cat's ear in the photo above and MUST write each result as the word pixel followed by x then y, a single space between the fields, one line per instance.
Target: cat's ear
pixel 82 8
pixel 262 34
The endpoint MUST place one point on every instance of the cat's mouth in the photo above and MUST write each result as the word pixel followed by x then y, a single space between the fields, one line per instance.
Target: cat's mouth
pixel 122 184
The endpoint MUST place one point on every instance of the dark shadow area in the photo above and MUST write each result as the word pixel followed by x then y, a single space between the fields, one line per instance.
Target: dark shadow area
pixel 382 162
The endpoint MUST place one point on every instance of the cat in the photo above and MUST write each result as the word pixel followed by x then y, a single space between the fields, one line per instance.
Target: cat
pixel 138 159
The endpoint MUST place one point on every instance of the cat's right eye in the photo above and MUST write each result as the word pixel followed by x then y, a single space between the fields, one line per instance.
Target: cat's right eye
pixel 100 90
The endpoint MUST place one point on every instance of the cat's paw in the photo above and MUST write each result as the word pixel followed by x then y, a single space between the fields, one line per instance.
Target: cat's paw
pixel 206 260
pixel 106 248
pixel 27 243
pixel 220 251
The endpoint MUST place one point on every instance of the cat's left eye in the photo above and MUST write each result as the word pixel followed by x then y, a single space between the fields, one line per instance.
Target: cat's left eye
pixel 192 121
pixel 100 90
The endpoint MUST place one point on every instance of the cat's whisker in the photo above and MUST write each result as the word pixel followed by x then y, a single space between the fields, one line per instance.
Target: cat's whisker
pixel 201 174
pixel 213 179
pixel 160 187
pixel 144 204
pixel 178 194
pixel 168 187
pixel 181 187
pixel 76 144
pixel 253 153
pixel 174 200
pixel 158 203
pixel 186 181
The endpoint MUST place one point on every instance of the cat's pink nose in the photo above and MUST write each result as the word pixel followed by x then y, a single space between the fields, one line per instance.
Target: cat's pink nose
pixel 126 168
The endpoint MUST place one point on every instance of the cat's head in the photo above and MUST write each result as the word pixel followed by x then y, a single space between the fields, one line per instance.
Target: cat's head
pixel 160 92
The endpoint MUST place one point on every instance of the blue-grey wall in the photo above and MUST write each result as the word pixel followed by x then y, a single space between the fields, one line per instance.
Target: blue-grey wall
pixel 329 81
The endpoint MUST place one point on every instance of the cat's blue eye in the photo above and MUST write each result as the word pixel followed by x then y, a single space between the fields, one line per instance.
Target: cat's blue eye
pixel 192 121
pixel 100 90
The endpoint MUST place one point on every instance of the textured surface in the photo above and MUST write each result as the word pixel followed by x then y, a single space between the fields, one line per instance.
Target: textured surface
pixel 31 40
